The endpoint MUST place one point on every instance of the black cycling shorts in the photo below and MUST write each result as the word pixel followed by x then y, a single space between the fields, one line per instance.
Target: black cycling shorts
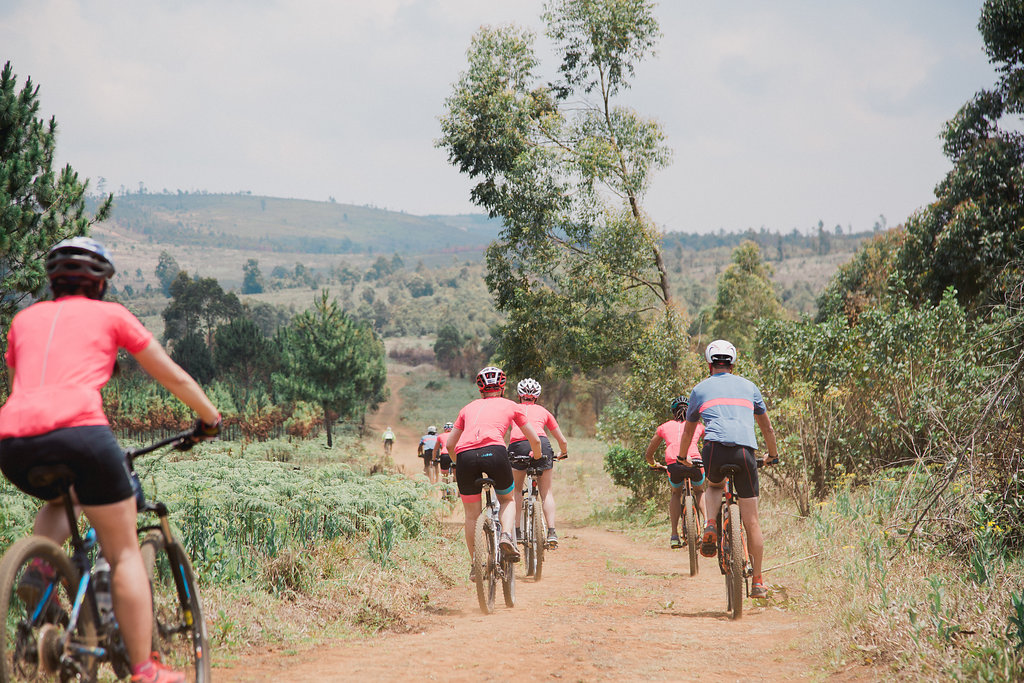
pixel 446 462
pixel 489 461
pixel 522 448
pixel 427 454
pixel 92 454
pixel 678 473
pixel 718 454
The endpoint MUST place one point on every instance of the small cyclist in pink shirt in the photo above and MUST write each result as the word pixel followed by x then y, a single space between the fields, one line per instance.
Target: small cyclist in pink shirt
pixel 541 420
pixel 671 433
pixel 477 445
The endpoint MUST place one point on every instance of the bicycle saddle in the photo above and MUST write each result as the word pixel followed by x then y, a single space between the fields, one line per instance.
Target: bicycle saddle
pixel 484 480
pixel 46 475
pixel 730 470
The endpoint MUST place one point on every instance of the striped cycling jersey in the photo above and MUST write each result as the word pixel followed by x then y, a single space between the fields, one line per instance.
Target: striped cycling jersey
pixel 727 405
pixel 428 441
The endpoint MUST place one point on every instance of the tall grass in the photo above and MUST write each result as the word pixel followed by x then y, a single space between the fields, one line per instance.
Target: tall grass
pixel 910 604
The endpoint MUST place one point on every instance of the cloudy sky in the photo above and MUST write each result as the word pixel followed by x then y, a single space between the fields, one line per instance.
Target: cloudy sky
pixel 779 113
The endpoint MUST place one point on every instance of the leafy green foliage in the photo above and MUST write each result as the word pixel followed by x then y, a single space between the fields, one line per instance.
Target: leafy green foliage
pixel 198 306
pixel 252 280
pixel 663 367
pixel 192 354
pixel 166 272
pixel 578 262
pixel 972 236
pixel 745 295
pixel 330 359
pixel 862 282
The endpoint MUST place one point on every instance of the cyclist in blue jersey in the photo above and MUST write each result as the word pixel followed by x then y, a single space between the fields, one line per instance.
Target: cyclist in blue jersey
pixel 426 451
pixel 729 406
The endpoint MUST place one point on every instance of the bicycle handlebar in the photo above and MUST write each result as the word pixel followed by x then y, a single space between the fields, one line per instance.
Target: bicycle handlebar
pixel 177 441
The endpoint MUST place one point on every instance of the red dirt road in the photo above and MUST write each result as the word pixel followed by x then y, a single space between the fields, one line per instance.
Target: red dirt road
pixel 606 609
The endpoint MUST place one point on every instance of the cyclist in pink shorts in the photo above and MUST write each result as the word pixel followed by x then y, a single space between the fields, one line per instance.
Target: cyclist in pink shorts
pixel 541 420
pixel 671 433
pixel 477 442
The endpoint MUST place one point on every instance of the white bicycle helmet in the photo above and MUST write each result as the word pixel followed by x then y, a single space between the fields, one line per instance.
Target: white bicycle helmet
pixel 491 379
pixel 720 352
pixel 528 387
pixel 431 429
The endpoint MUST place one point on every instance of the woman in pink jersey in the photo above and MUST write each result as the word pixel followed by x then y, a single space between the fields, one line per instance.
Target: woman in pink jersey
pixel 477 442
pixel 60 353
pixel 541 420
pixel 671 433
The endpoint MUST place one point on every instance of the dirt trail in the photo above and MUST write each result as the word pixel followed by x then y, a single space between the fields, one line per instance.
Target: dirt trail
pixel 390 413
pixel 608 608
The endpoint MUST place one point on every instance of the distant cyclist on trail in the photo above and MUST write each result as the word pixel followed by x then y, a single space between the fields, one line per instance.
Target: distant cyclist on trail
pixel 389 440
pixel 671 433
pixel 60 354
pixel 426 451
pixel 478 444
pixel 441 449
pixel 729 405
pixel 540 419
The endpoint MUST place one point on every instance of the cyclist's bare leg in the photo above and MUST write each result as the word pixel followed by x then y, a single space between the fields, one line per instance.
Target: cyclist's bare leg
pixel 547 496
pixel 507 514
pixel 518 476
pixel 472 509
pixel 115 529
pixel 427 468
pixel 675 505
pixel 755 540
pixel 713 500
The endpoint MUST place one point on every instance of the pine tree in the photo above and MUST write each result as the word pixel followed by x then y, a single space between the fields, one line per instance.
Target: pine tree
pixel 38 206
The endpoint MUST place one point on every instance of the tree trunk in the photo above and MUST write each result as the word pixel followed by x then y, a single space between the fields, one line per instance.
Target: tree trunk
pixel 327 426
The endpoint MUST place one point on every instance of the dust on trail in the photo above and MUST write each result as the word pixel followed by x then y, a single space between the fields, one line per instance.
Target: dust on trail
pixel 607 608
pixel 403 452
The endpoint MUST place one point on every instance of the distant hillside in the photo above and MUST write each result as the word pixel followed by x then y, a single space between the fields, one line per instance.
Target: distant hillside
pixel 246 222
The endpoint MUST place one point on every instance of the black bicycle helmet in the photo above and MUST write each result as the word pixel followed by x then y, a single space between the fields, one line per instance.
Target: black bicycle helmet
pixel 79 257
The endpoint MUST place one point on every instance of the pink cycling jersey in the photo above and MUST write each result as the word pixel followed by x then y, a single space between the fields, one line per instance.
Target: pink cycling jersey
pixel 442 442
pixel 538 417
pixel 488 419
pixel 63 353
pixel 672 433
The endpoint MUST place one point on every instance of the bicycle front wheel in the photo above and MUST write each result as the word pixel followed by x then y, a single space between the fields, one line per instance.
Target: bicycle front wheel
pixel 508 581
pixel 735 580
pixel 540 533
pixel 38 584
pixel 483 563
pixel 179 629
pixel 690 530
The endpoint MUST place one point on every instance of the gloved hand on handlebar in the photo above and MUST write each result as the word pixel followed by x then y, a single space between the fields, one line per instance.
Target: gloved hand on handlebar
pixel 204 432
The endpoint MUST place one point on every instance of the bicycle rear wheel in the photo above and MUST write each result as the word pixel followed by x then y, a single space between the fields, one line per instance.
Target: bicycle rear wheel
pixel 529 555
pixel 483 563
pixel 690 531
pixel 179 629
pixel 734 578
pixel 540 533
pixel 36 611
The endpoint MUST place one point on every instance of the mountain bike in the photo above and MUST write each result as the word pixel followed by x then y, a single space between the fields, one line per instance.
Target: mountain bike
pixel 534 525
pixel 733 558
pixel 691 519
pixel 63 627
pixel 490 565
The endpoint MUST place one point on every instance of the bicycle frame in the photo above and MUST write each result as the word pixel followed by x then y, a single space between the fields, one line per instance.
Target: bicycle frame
pixel 109 632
